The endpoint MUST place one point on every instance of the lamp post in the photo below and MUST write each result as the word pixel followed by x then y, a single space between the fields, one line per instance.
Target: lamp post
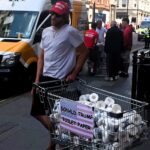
pixel 127 8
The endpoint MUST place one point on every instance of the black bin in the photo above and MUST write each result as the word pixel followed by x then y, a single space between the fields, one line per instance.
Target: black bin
pixel 141 79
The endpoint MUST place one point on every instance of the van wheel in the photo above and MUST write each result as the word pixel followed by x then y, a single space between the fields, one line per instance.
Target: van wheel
pixel 31 74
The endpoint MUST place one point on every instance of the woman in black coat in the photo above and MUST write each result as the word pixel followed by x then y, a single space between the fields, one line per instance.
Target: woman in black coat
pixel 113 48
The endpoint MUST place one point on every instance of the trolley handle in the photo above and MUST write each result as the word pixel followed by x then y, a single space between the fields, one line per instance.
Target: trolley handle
pixel 45 85
pixel 81 80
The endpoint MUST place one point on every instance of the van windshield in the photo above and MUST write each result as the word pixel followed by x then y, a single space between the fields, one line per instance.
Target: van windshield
pixel 17 24
pixel 145 24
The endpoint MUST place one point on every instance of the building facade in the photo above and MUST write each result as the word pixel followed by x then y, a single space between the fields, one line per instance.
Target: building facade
pixel 136 10
pixel 113 4
pixel 102 10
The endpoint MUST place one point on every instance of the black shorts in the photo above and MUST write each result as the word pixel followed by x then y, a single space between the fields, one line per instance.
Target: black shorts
pixel 94 54
pixel 37 107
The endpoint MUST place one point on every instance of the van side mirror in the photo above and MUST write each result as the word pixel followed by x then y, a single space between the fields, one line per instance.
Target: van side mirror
pixel 38 36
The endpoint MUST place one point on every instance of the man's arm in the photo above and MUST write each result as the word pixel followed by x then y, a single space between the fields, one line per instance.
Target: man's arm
pixel 40 65
pixel 83 54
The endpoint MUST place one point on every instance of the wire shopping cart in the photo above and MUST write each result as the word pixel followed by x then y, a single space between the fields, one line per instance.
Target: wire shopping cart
pixel 89 118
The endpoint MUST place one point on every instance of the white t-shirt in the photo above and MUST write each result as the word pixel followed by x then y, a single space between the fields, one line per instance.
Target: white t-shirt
pixel 59 50
pixel 101 33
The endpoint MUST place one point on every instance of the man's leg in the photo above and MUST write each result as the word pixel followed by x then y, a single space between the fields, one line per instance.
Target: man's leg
pixel 38 112
pixel 45 121
pixel 126 60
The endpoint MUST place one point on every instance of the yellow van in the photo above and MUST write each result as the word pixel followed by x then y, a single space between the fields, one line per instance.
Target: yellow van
pixel 21 25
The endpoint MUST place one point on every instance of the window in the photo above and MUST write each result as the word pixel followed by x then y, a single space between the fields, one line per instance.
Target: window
pixel 47 23
pixel 124 3
pixel 13 23
pixel 117 3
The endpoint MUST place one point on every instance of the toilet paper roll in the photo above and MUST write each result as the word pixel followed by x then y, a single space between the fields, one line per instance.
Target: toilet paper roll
pixel 122 126
pixel 135 119
pixel 90 104
pixel 132 129
pixel 105 136
pixel 109 109
pixel 76 140
pixel 56 108
pixel 116 146
pixel 100 105
pixel 109 101
pixel 83 98
pixel 87 96
pixel 113 124
pixel 100 121
pixel 93 97
pixel 65 137
pixel 116 108
pixel 57 132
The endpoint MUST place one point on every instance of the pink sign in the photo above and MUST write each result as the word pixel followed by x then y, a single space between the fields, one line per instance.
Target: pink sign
pixel 77 118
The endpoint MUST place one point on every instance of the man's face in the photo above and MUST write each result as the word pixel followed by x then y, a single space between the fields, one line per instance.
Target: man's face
pixel 56 20
pixel 99 24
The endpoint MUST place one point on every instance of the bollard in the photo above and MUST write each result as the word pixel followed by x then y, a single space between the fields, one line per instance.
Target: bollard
pixel 134 76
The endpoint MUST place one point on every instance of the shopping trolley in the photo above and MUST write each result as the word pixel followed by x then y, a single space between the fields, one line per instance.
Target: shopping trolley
pixel 86 124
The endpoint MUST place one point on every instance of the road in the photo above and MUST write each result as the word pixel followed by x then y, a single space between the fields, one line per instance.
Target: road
pixel 20 131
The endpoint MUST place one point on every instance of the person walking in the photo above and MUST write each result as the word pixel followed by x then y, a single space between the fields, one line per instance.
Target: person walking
pixel 90 40
pixel 57 59
pixel 113 47
pixel 101 31
pixel 147 38
pixel 101 40
pixel 125 54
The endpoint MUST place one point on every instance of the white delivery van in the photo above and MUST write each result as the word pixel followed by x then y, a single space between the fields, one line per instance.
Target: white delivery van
pixel 21 25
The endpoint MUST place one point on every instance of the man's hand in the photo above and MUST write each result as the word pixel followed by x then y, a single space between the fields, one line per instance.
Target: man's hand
pixel 71 77
pixel 33 90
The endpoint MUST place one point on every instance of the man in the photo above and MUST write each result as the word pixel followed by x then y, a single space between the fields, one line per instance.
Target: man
pixel 90 40
pixel 113 47
pixel 147 38
pixel 91 37
pixel 101 31
pixel 125 54
pixel 57 59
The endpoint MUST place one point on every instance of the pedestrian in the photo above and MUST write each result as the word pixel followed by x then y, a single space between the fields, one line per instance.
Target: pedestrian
pixel 101 40
pixel 90 40
pixel 101 31
pixel 57 59
pixel 147 38
pixel 125 54
pixel 113 47
pixel 107 25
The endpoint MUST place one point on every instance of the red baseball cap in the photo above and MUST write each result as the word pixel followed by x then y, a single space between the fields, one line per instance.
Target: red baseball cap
pixel 60 8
